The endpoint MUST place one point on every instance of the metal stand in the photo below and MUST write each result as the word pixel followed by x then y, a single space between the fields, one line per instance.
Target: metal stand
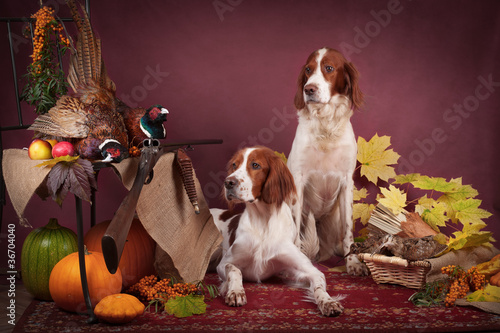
pixel 81 259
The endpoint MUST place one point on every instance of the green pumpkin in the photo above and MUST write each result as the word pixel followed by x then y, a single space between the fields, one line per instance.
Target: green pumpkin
pixel 42 250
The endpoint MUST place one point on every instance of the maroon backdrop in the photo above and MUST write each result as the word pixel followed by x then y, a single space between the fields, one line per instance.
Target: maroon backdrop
pixel 228 68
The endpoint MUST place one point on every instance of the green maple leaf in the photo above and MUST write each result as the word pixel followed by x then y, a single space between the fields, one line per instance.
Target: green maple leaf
pixel 375 159
pixel 435 216
pixel 434 183
pixel 362 211
pixel 488 294
pixel 185 306
pixel 404 179
pixel 468 211
pixel 461 192
pixel 394 199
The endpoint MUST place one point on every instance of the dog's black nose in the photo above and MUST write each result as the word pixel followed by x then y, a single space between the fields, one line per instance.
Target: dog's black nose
pixel 310 89
pixel 230 182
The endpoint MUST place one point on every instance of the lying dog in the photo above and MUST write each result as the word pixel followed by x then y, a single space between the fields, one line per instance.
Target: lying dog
pixel 260 242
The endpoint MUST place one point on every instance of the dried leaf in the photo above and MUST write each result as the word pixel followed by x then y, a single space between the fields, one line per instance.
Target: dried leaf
pixel 55 180
pixel 78 182
pixel 71 175
pixel 186 306
pixel 375 159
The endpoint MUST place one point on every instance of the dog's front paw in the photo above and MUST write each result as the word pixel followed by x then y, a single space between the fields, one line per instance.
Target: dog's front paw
pixel 330 308
pixel 356 267
pixel 236 298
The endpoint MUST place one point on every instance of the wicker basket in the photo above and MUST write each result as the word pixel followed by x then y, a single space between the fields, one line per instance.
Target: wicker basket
pixel 396 270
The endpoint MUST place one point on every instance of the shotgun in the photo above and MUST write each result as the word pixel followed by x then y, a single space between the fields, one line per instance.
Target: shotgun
pixel 116 234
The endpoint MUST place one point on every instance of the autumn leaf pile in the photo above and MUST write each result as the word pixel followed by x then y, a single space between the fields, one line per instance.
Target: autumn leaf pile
pixel 445 203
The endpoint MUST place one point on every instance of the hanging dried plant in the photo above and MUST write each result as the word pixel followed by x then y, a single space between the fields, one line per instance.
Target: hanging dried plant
pixel 46 81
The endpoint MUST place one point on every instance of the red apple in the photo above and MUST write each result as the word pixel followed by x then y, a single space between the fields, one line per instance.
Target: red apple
pixel 63 148
pixel 39 150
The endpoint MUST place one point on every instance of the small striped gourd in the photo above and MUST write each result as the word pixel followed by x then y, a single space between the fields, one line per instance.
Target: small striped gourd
pixel 42 250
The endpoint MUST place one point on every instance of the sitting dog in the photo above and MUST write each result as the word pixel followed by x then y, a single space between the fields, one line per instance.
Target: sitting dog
pixel 323 157
pixel 260 242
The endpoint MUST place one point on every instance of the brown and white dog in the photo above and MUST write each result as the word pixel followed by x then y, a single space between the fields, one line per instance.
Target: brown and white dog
pixel 323 156
pixel 260 242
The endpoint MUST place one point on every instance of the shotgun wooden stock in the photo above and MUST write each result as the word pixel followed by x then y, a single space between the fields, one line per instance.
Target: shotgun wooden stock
pixel 115 236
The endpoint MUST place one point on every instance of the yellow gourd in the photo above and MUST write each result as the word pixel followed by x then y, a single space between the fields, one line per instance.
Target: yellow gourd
pixel 119 308
pixel 490 267
pixel 495 280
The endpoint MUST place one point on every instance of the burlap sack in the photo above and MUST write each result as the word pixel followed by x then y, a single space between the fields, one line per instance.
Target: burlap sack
pixel 185 240
pixel 23 179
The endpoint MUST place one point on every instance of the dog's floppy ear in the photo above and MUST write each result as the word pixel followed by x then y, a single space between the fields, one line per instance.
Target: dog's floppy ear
pixel 299 95
pixel 351 76
pixel 279 185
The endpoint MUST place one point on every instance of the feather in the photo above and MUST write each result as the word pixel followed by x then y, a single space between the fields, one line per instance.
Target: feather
pixel 67 119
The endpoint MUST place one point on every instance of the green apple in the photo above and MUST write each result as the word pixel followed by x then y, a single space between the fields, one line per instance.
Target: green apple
pixel 40 150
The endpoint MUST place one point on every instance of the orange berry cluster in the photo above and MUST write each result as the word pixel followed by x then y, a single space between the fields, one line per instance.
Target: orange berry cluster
pixel 150 288
pixel 45 24
pixel 134 151
pixel 461 282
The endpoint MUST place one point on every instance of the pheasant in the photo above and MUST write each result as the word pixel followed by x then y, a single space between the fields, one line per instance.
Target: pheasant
pixel 143 124
pixel 88 116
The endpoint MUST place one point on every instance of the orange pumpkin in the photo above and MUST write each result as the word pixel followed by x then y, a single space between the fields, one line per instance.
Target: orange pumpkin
pixel 137 260
pixel 66 288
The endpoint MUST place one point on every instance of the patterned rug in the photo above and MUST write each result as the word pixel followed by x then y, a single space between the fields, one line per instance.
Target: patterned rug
pixel 275 307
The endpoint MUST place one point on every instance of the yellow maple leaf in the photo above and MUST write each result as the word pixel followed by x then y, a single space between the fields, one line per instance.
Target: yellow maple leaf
pixel 282 156
pixel 360 194
pixel 394 199
pixel 424 203
pixel 435 216
pixel 469 236
pixel 362 211
pixel 375 158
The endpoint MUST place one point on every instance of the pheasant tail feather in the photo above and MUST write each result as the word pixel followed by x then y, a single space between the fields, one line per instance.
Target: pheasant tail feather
pixel 86 66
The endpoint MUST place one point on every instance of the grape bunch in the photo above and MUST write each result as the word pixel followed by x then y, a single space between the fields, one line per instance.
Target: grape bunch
pixel 460 282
